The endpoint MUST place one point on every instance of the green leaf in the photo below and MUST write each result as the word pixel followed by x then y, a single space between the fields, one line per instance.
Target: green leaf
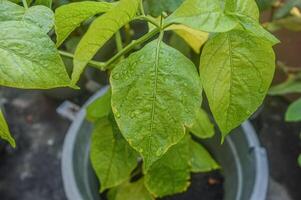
pixel 204 15
pixel 40 16
pixel 247 13
pixel 112 158
pixel 236 71
pixel 29 59
pixel 156 7
pixel 10 11
pixel 170 174
pixel 4 131
pixel 155 93
pixel 291 85
pixel 194 38
pixel 100 108
pixel 130 191
pixel 293 113
pixel 201 160
pixel 202 126
pixel 68 17
pixel 100 31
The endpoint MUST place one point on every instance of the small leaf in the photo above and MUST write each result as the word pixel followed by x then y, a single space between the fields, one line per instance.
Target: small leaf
pixel 112 158
pixel 204 15
pixel 130 191
pixel 155 93
pixel 29 59
pixel 99 108
pixel 100 31
pixel 292 23
pixel 170 174
pixel 299 160
pixel 201 160
pixel 194 38
pixel 293 113
pixel 236 71
pixel 202 126
pixel 68 17
pixel 4 131
pixel 291 85
pixel 10 11
pixel 40 16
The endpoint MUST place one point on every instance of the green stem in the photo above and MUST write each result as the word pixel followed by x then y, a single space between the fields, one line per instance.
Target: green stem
pixel 148 19
pixel 132 45
pixel 141 8
pixel 118 40
pixel 92 63
pixel 25 4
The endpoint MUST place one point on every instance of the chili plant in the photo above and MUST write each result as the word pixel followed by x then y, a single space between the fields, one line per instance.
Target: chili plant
pixel 147 122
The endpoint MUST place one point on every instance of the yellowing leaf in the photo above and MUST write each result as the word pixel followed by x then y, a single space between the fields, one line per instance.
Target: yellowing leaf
pixel 68 17
pixel 194 38
pixel 100 31
pixel 4 131
pixel 236 70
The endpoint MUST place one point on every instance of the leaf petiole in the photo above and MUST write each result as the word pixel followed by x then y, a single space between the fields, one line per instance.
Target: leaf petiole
pixel 25 4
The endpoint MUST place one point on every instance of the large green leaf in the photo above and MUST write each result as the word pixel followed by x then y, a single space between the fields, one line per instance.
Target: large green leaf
pixel 130 191
pixel 68 17
pixel 204 15
pixel 100 108
pixel 236 70
pixel 29 59
pixel 202 126
pixel 201 160
pixel 10 11
pixel 40 16
pixel 4 131
pixel 112 158
pixel 155 93
pixel 293 113
pixel 100 31
pixel 170 174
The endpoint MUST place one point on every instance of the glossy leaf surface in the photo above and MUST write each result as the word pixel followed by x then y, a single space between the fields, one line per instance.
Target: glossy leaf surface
pixel 155 93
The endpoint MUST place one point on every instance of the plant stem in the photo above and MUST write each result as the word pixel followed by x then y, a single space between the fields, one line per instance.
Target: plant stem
pixel 141 8
pixel 92 63
pixel 118 40
pixel 148 19
pixel 25 4
pixel 129 47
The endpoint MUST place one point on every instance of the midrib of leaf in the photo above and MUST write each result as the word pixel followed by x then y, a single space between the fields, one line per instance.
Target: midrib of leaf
pixel 231 71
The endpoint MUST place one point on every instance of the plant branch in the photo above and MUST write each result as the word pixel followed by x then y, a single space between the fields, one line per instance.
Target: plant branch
pixel 92 63
pixel 141 8
pixel 25 4
pixel 148 19
pixel 118 40
pixel 132 45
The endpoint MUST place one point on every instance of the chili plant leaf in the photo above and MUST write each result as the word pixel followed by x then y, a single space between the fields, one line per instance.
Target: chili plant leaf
pixel 100 31
pixel 10 11
pixel 201 160
pixel 236 70
pixel 29 59
pixel 170 174
pixel 204 15
pixel 291 85
pixel 130 191
pixel 40 16
pixel 293 113
pixel 112 158
pixel 194 38
pixel 155 93
pixel 68 17
pixel 100 108
pixel 4 131
pixel 202 126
